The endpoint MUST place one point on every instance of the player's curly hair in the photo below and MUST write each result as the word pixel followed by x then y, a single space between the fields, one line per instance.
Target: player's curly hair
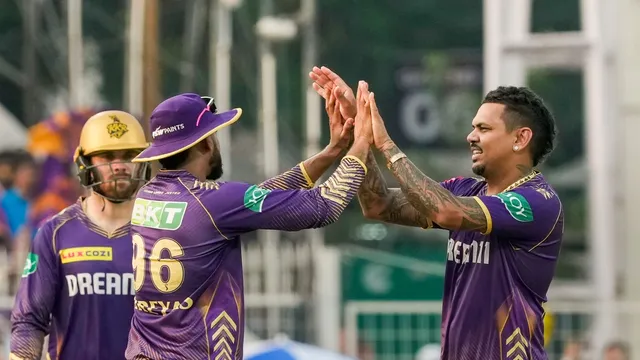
pixel 524 108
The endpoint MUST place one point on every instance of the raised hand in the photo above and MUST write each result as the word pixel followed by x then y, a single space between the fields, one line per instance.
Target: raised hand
pixel 381 138
pixel 363 126
pixel 339 128
pixel 323 79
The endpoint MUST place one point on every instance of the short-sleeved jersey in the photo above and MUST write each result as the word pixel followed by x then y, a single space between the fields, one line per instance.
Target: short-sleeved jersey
pixel 77 286
pixel 188 262
pixel 496 282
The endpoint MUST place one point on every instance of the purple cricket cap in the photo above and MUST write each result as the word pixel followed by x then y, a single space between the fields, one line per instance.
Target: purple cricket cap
pixel 182 121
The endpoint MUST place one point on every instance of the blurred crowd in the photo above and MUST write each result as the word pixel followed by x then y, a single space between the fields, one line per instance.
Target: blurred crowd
pixel 35 184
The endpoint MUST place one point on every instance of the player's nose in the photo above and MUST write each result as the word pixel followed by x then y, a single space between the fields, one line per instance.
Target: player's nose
pixel 472 137
pixel 119 167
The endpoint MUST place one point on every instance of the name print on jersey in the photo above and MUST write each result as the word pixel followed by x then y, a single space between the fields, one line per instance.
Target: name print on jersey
pixel 100 284
pixel 476 253
pixel 164 215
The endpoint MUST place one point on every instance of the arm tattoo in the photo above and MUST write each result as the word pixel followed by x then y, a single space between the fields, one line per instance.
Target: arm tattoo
pixel 388 205
pixel 433 200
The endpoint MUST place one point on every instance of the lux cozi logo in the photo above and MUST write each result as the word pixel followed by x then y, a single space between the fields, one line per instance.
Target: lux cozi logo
pixel 77 254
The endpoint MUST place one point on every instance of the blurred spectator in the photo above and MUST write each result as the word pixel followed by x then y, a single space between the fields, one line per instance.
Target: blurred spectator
pixel 572 351
pixel 15 200
pixel 616 351
pixel 14 204
pixel 7 170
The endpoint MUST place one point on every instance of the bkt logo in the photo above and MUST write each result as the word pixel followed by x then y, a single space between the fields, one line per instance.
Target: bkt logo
pixel 100 284
pixel 476 253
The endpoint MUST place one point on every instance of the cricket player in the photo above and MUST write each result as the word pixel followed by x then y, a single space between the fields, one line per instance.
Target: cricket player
pixel 187 225
pixel 77 284
pixel 505 229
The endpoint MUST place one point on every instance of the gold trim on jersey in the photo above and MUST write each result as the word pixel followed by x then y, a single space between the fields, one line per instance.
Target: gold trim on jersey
pixel 203 208
pixel 223 337
pixel 516 341
pixel 304 172
pixel 487 214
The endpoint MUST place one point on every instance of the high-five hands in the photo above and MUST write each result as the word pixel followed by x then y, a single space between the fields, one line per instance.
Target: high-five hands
pixel 381 139
pixel 363 129
pixel 324 79
pixel 340 128
pixel 327 83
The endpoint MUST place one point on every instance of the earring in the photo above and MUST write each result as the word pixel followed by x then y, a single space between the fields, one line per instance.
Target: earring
pixel 516 148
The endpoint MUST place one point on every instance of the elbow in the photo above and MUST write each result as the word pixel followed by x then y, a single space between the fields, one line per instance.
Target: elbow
pixel 373 209
pixel 448 218
pixel 370 214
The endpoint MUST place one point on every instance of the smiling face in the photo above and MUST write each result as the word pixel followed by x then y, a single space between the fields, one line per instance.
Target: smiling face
pixel 492 142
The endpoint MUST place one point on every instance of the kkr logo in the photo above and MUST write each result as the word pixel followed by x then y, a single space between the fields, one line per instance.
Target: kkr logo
pixel 77 254
pixel 165 215
pixel 116 129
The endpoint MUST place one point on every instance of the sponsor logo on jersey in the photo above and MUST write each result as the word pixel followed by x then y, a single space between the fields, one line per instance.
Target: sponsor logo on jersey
pixel 100 284
pixel 30 265
pixel 517 206
pixel 99 253
pixel 164 215
pixel 254 198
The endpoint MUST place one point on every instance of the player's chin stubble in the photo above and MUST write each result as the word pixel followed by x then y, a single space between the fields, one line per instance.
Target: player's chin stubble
pixel 478 169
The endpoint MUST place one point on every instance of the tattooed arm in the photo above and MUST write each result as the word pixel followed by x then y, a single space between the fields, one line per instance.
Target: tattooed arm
pixel 378 202
pixel 432 200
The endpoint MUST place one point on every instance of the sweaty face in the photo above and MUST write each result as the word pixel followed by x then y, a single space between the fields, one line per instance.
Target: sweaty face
pixel 215 161
pixel 116 177
pixel 490 141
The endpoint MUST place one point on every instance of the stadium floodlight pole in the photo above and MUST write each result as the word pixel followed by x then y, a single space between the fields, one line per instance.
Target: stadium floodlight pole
pixel 271 29
pixel 75 52
pixel 135 60
pixel 221 42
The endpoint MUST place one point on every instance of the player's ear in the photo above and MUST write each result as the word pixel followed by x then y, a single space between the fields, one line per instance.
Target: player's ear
pixel 523 137
pixel 204 146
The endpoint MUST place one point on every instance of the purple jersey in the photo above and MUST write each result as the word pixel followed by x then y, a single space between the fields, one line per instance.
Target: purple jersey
pixel 77 285
pixel 188 263
pixel 496 283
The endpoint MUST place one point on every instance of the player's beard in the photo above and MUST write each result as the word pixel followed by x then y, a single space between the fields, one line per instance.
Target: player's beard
pixel 120 188
pixel 215 163
pixel 478 169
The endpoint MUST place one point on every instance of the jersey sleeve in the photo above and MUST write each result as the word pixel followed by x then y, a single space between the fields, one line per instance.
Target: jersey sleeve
pixel 523 216
pixel 246 207
pixel 36 296
pixel 296 178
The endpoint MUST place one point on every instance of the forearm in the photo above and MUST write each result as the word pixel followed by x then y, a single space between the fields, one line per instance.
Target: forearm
pixel 319 207
pixel 295 178
pixel 338 191
pixel 379 202
pixel 305 174
pixel 432 200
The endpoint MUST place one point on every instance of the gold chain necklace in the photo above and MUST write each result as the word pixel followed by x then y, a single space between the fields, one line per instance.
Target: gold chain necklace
pixel 522 180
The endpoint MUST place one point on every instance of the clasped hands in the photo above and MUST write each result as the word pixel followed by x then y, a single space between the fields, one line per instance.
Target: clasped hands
pixel 348 111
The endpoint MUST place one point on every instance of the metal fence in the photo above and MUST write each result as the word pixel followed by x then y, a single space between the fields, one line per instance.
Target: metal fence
pixel 398 330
